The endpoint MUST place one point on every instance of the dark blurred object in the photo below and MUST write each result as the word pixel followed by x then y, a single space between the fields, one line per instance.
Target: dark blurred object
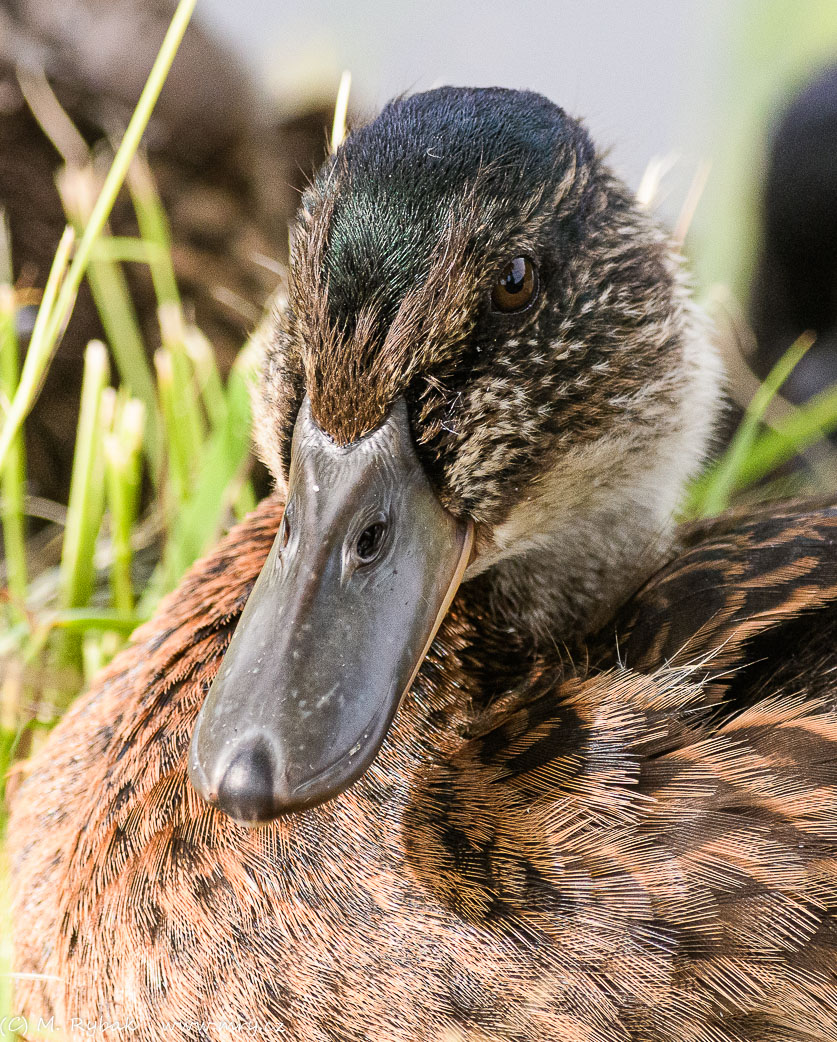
pixel 229 180
pixel 795 284
pixel 104 49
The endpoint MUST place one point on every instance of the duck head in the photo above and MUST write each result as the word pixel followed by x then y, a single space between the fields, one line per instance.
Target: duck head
pixel 488 364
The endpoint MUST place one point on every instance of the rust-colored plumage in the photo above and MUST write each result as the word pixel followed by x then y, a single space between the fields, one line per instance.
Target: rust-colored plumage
pixel 604 853
pixel 575 829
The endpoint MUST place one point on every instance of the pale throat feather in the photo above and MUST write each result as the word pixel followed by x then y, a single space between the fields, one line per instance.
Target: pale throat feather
pixel 601 520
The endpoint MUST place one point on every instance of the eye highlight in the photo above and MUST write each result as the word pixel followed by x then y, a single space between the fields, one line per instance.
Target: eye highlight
pixel 516 287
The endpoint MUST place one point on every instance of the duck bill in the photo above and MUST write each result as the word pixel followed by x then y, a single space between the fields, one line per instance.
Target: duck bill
pixel 349 599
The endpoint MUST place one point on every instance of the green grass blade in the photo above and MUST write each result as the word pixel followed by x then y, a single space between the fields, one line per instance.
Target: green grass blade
pixel 809 424
pixel 712 493
pixel 86 502
pixel 13 478
pixel 31 375
pixel 80 620
pixel 42 346
pixel 13 473
pixel 178 455
pixel 115 308
pixel 341 109
pixel 245 500
pixel 185 390
pixel 226 453
pixel 207 374
pixel 123 447
pixel 122 248
pixel 154 229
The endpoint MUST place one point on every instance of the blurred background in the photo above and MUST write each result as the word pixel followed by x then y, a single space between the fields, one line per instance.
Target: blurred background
pixel 694 80
pixel 686 98
pixel 720 114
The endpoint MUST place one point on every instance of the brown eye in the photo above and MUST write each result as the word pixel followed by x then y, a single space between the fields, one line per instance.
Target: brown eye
pixel 516 287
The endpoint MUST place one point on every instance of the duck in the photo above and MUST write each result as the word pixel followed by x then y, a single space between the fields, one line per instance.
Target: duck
pixel 459 736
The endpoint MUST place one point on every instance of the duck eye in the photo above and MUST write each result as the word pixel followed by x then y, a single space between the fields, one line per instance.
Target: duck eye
pixel 516 287
pixel 370 541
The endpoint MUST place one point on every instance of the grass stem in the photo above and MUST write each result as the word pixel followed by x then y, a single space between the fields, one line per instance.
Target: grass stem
pixel 179 459
pixel 154 230
pixel 108 285
pixel 123 446
pixel 13 473
pixel 712 493
pixel 186 399
pixel 86 501
pixel 42 346
pixel 341 109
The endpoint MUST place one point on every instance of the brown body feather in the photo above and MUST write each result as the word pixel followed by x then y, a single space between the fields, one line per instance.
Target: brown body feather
pixel 642 846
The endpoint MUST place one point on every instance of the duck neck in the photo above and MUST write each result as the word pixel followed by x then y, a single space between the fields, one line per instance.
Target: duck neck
pixel 571 581
pixel 596 523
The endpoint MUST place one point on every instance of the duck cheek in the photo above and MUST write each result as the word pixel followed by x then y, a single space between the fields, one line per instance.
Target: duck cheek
pixel 324 653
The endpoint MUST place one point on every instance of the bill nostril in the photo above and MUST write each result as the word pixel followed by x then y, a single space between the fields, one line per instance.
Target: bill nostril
pixel 246 791
pixel 285 532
